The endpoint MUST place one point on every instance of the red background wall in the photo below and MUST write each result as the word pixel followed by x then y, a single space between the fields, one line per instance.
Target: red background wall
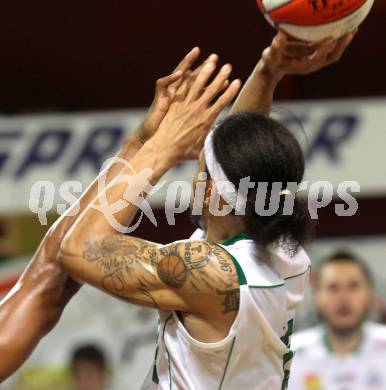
pixel 106 54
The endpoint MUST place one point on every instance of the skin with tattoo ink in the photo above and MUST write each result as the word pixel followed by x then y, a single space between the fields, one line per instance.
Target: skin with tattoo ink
pixel 136 269
pixel 197 279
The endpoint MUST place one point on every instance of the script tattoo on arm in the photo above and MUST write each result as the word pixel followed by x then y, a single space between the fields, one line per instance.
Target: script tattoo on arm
pixel 119 260
pixel 168 277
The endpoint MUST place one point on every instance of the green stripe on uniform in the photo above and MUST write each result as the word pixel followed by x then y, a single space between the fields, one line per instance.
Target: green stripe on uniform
pixel 155 378
pixel 163 339
pixel 227 363
pixel 234 239
pixel 296 276
pixel 240 272
pixel 274 286
pixel 287 356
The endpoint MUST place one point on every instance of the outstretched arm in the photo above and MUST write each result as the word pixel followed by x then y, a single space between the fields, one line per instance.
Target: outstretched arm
pixel 138 271
pixel 282 58
pixel 35 304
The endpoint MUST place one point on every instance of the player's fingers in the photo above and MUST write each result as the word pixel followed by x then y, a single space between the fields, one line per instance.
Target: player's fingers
pixel 226 98
pixel 184 86
pixel 299 49
pixel 217 84
pixel 186 64
pixel 320 55
pixel 201 80
pixel 212 58
pixel 340 48
pixel 188 60
pixel 278 46
pixel 296 66
pixel 273 55
pixel 225 85
pixel 168 81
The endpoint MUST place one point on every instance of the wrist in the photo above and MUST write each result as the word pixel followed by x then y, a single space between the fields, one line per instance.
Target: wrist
pixel 131 145
pixel 140 134
pixel 163 158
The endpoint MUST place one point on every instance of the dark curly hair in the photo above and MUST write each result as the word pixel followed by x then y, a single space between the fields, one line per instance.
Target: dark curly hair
pixel 256 146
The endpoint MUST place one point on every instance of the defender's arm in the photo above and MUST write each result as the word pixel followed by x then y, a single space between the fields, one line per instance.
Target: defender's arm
pixel 35 304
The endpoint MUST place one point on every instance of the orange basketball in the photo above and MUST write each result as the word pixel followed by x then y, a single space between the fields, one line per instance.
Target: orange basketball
pixel 315 20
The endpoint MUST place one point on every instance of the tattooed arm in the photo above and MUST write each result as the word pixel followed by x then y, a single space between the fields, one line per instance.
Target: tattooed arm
pixel 94 252
pixel 188 276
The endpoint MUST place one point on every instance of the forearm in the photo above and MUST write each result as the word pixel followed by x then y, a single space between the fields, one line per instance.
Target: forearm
pixel 17 340
pixel 130 147
pixel 29 312
pixel 43 291
pixel 257 93
pixel 94 225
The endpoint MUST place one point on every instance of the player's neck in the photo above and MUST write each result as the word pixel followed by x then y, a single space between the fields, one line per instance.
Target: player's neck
pixel 344 343
pixel 220 229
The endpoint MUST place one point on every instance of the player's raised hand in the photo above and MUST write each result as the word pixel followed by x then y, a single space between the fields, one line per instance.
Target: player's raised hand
pixel 164 94
pixel 195 108
pixel 285 57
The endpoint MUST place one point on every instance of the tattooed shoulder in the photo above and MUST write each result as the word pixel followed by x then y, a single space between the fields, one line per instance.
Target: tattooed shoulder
pixel 137 269
pixel 200 268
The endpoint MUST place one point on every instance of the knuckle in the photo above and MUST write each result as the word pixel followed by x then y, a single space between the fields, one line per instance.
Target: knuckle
pixel 275 44
pixel 267 54
pixel 208 121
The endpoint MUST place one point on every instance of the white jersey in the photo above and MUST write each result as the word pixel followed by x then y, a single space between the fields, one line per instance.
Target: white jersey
pixel 315 367
pixel 255 355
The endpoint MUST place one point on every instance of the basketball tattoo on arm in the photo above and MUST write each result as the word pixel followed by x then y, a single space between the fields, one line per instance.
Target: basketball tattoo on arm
pixel 164 277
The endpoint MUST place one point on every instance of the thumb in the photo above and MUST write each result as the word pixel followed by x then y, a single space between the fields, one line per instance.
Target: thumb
pixel 164 83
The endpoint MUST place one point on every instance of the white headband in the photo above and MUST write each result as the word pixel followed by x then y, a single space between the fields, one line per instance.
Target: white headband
pixel 224 186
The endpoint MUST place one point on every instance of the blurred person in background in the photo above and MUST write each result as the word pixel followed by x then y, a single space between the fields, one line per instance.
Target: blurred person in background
pixel 345 351
pixel 89 368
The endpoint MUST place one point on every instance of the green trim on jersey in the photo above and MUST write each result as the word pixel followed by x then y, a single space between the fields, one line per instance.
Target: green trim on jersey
pixel 296 276
pixel 234 239
pixel 290 330
pixel 274 286
pixel 289 355
pixel 155 377
pixel 240 272
pixel 163 340
pixel 170 370
pixel 227 363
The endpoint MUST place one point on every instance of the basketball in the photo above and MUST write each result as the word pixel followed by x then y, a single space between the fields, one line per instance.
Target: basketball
pixel 315 20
